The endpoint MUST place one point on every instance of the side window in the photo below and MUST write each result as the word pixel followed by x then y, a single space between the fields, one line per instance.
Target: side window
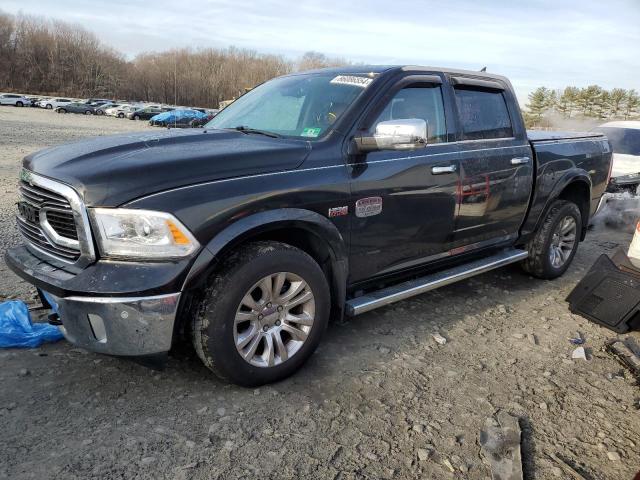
pixel 422 101
pixel 483 113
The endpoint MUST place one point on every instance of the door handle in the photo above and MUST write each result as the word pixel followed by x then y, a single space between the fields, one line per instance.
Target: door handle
pixel 443 170
pixel 519 160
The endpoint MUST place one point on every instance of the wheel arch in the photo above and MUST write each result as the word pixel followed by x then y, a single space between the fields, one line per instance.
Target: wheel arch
pixel 304 229
pixel 575 186
pixel 578 191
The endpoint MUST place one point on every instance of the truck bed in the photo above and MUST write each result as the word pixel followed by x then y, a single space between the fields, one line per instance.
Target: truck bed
pixel 557 153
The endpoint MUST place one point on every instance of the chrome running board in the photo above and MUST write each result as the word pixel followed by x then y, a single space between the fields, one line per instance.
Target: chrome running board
pixel 404 290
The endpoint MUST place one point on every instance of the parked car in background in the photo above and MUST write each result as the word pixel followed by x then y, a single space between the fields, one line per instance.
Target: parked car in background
pixel 146 113
pixel 33 101
pixel 97 101
pixel 624 137
pixel 14 99
pixel 120 111
pixel 52 103
pixel 201 122
pixel 102 109
pixel 75 107
pixel 179 118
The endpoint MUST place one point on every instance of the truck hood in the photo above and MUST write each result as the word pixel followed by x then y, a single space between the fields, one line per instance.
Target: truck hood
pixel 112 170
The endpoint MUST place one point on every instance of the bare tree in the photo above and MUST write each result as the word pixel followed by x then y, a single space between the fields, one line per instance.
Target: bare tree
pixel 58 58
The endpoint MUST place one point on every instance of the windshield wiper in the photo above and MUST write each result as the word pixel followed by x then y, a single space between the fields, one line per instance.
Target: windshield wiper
pixel 248 130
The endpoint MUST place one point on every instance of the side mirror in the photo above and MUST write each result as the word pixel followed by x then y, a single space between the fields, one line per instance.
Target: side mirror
pixel 401 134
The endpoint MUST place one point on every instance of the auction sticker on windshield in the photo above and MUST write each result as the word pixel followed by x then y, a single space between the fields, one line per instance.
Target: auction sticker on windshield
pixel 310 132
pixel 352 80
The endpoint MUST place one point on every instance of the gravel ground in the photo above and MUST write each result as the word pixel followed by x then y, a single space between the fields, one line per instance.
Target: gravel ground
pixel 380 398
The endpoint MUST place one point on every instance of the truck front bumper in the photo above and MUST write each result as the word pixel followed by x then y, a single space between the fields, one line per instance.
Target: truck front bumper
pixel 116 308
pixel 123 326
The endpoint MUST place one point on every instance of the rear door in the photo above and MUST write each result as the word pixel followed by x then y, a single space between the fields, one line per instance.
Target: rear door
pixel 496 175
pixel 405 201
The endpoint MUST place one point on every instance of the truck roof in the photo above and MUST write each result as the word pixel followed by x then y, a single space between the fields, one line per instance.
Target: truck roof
pixel 355 69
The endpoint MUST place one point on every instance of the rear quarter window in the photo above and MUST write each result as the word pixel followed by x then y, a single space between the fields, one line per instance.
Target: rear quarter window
pixel 483 113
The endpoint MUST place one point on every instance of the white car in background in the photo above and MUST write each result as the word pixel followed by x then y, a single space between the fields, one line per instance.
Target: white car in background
pixel 625 141
pixel 122 110
pixel 113 110
pixel 14 99
pixel 53 103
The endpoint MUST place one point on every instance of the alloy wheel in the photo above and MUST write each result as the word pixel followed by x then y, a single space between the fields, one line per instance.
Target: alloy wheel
pixel 274 319
pixel 563 241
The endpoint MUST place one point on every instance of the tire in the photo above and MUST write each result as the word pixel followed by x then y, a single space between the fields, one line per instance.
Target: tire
pixel 88 112
pixel 19 104
pixel 61 110
pixel 544 259
pixel 121 115
pixel 99 112
pixel 215 329
pixel 49 106
pixel 136 117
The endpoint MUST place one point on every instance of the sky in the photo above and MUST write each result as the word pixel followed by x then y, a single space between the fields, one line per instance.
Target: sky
pixel 554 43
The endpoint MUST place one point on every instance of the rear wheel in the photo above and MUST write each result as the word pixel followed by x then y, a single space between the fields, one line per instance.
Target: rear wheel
pixel 262 315
pixel 136 117
pixel 49 106
pixel 88 112
pixel 555 243
pixel 62 110
pixel 121 115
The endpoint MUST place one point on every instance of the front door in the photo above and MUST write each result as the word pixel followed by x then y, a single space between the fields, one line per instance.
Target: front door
pixel 496 174
pixel 405 201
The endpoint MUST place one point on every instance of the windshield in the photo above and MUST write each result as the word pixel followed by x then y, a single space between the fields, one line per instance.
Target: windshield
pixel 297 106
pixel 623 140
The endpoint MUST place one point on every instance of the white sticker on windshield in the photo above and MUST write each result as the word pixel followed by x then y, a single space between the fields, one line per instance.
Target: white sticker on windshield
pixel 352 80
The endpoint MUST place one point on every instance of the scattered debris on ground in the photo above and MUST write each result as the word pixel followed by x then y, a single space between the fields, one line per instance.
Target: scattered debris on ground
pixel 626 356
pixel 500 446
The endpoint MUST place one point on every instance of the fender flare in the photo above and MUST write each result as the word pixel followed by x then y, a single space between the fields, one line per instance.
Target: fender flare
pixel 270 220
pixel 573 175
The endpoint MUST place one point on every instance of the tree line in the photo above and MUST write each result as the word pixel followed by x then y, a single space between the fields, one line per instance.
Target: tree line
pixel 51 57
pixel 592 102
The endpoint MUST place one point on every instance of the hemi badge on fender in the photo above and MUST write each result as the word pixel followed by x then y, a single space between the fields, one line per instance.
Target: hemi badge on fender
pixel 368 207
pixel 338 211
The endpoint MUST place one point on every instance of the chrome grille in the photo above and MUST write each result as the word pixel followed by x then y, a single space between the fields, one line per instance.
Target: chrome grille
pixel 59 216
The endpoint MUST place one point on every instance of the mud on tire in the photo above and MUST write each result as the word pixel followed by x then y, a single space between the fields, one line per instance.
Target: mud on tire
pixel 215 325
pixel 540 263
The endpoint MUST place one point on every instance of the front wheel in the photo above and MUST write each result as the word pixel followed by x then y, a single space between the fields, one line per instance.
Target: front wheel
pixel 555 243
pixel 262 315
pixel 19 104
pixel 62 110
pixel 121 115
pixel 49 106
pixel 88 112
pixel 136 117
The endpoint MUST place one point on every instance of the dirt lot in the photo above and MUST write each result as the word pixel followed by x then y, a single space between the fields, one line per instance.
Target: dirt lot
pixel 380 399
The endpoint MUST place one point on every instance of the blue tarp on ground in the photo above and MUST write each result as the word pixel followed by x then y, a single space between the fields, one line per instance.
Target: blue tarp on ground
pixel 177 115
pixel 17 330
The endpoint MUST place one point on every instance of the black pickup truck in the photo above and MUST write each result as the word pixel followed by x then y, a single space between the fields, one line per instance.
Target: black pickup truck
pixel 314 195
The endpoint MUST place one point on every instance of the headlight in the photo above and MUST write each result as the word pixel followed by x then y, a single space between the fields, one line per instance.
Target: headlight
pixel 141 234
